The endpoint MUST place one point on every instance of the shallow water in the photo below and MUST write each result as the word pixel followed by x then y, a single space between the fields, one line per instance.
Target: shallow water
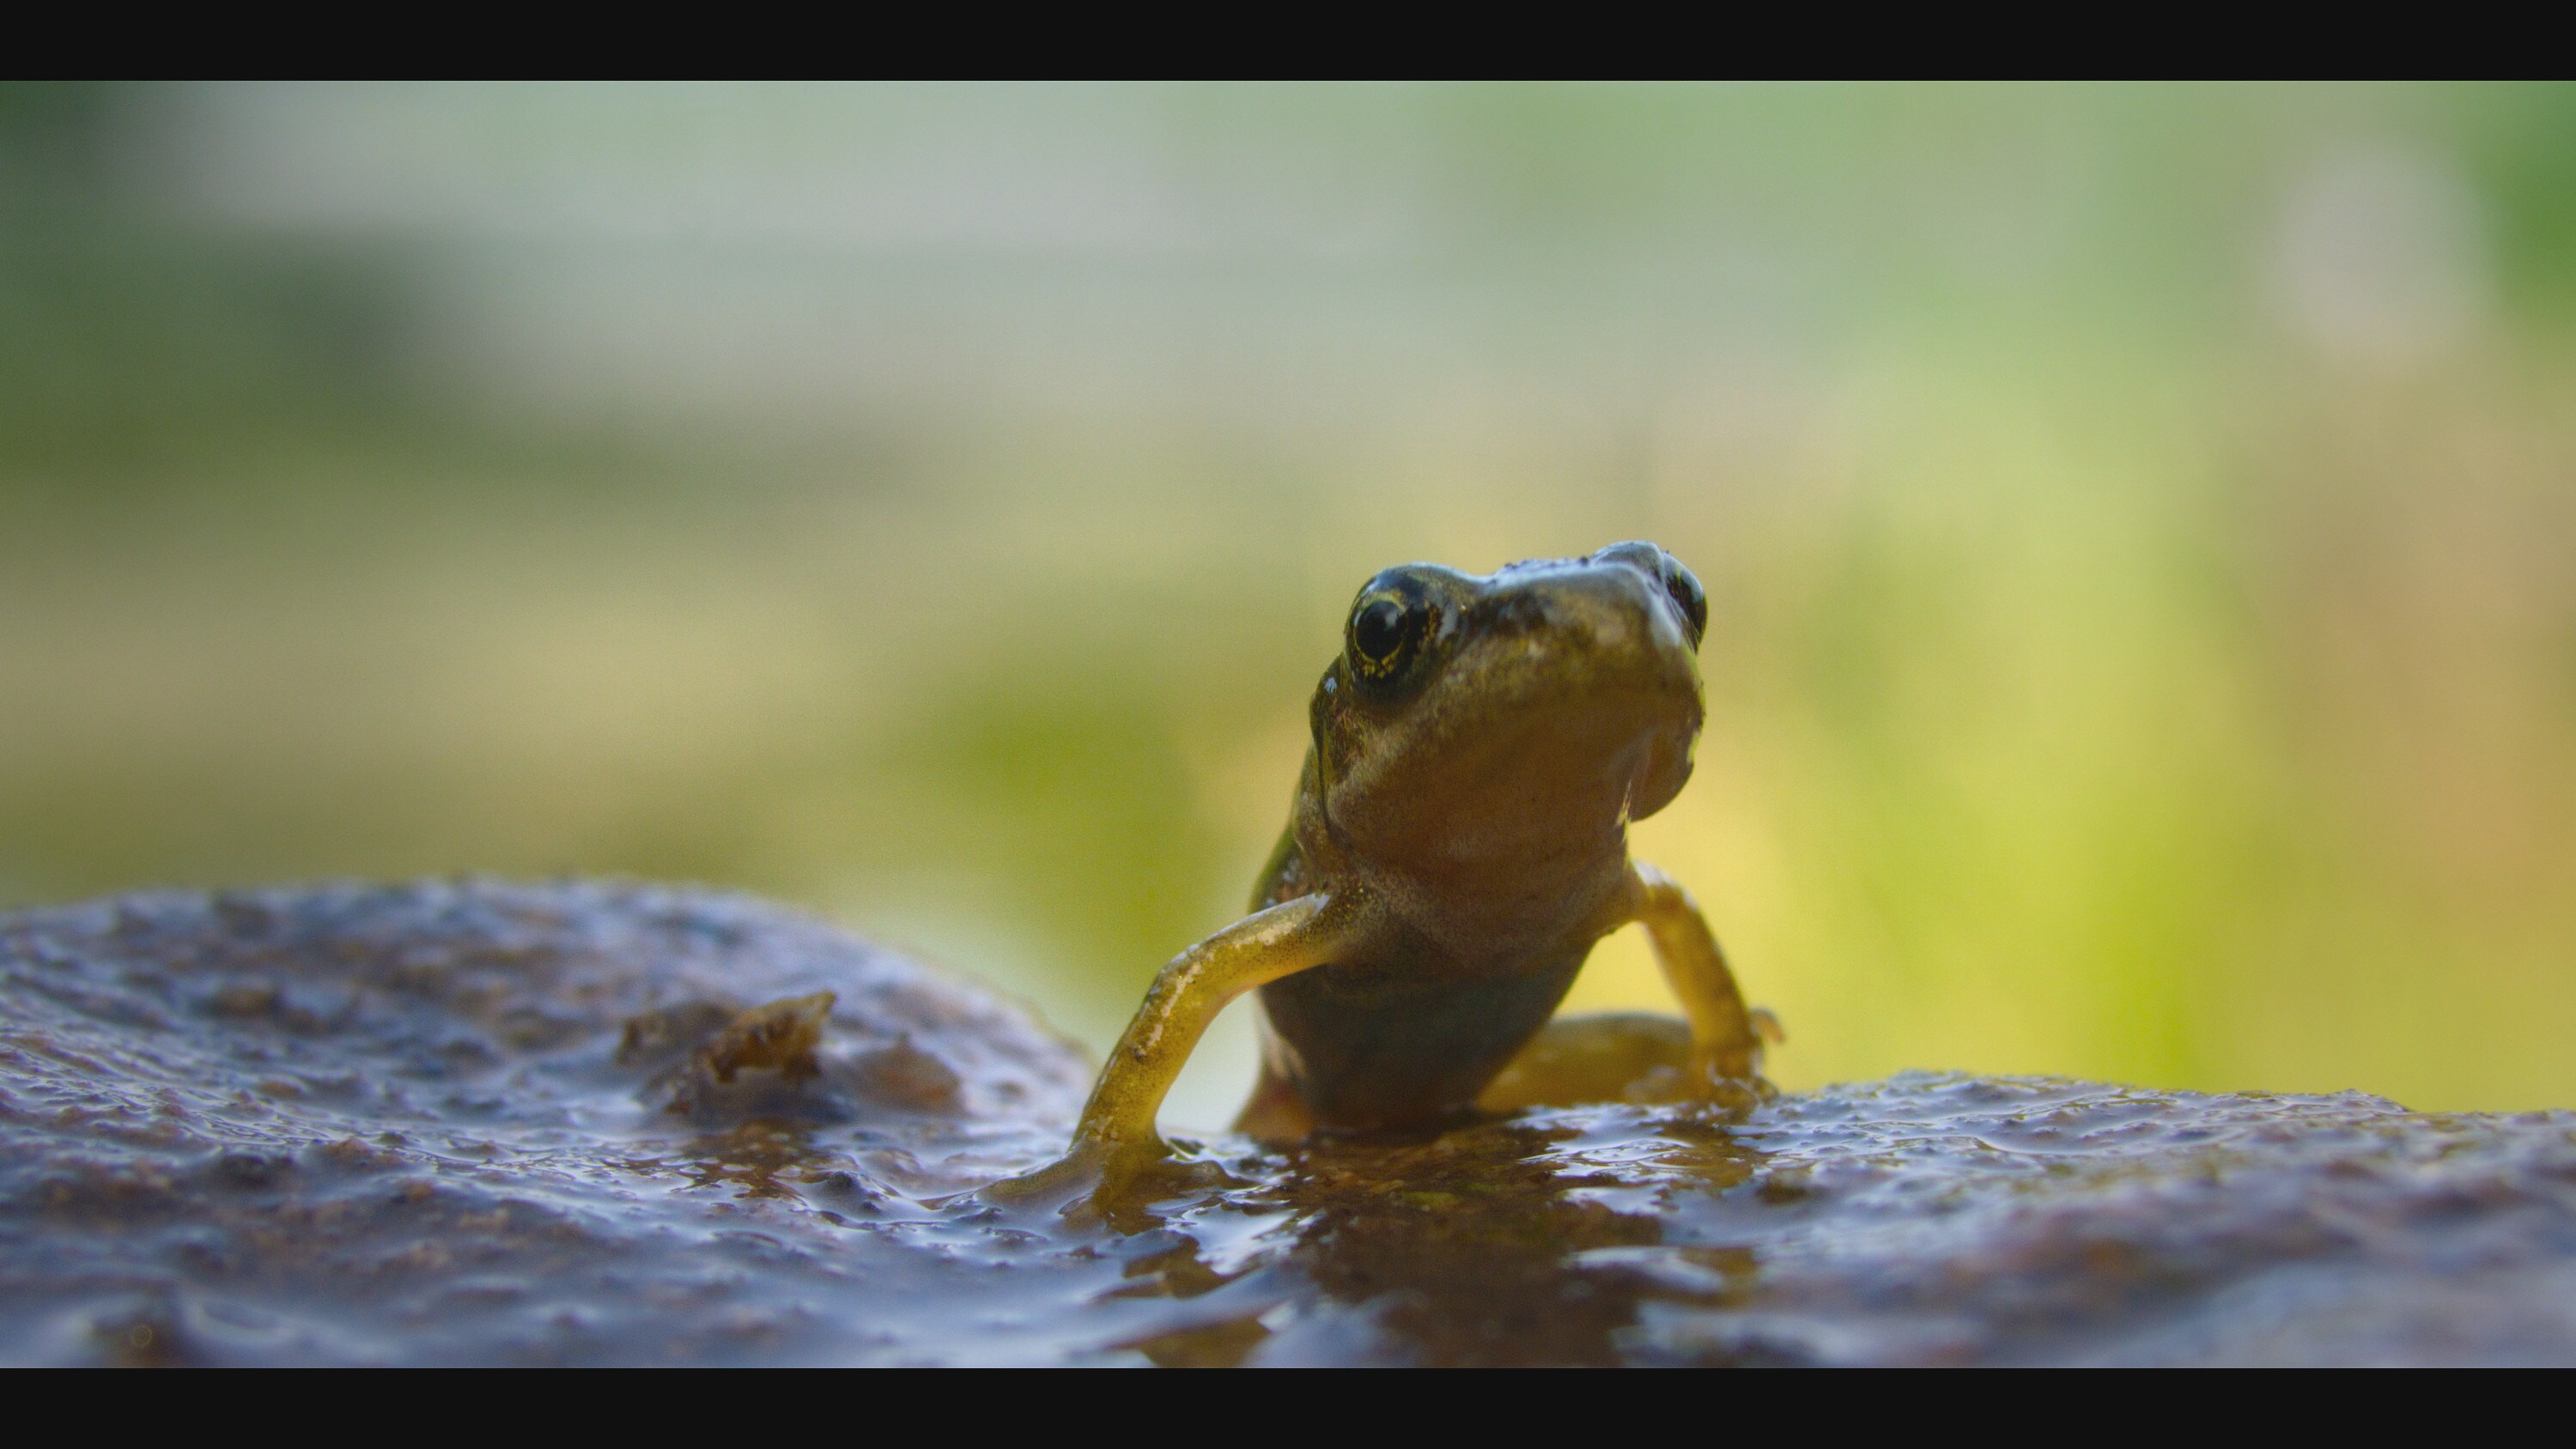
pixel 477 1123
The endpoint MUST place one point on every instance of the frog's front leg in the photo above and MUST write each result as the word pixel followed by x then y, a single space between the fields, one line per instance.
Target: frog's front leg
pixel 1726 1036
pixel 1116 1147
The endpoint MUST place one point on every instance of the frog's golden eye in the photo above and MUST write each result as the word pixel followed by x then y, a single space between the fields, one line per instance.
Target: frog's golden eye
pixel 1378 630
pixel 1683 585
pixel 1384 631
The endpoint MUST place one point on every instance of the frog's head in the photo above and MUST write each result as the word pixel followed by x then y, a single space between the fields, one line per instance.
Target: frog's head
pixel 1477 733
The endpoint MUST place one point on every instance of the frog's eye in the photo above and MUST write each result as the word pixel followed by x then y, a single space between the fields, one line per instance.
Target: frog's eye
pixel 1384 631
pixel 1683 585
pixel 1378 630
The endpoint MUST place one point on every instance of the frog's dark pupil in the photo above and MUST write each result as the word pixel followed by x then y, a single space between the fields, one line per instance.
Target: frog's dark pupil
pixel 1379 629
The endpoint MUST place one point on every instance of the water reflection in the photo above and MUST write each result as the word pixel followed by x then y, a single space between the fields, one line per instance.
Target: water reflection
pixel 1516 1242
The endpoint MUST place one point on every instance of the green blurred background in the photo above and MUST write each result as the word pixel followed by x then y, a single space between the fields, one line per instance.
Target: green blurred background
pixel 2140 524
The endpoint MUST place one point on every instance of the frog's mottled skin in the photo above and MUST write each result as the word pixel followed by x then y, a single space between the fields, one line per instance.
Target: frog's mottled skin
pixel 1458 842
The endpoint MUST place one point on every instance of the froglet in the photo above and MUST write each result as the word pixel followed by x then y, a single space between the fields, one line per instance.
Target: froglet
pixel 1457 843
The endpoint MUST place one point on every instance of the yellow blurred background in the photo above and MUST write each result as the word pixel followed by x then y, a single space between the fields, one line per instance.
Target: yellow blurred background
pixel 2140 523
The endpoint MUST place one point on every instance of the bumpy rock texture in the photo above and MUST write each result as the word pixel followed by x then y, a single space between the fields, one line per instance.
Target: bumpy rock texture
pixel 478 1123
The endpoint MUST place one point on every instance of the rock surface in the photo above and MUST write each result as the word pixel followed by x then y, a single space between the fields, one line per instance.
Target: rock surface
pixel 487 1123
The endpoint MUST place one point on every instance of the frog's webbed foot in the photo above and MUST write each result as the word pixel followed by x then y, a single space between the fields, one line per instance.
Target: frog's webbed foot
pixel 1112 1183
pixel 1730 1074
pixel 1737 1096
pixel 1061 1185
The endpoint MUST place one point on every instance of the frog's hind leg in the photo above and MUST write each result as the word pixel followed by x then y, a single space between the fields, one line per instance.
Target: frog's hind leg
pixel 1613 1057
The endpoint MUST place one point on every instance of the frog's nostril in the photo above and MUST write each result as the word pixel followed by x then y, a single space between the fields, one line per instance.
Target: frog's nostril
pixel 1662 570
pixel 1637 554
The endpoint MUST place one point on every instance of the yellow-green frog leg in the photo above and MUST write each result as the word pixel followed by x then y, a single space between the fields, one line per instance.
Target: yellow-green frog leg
pixel 1726 1036
pixel 1116 1143
pixel 1715 1055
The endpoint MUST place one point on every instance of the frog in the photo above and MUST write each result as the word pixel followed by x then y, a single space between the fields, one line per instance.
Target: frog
pixel 1456 844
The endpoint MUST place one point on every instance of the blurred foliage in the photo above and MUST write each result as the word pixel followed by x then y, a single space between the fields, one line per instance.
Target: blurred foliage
pixel 124 341
pixel 2137 520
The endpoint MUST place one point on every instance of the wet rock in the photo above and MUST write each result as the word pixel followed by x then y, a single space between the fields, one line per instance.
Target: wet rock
pixel 468 1121
pixel 582 1123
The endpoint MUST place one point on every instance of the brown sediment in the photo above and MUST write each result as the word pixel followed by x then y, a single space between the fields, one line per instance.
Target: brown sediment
pixel 779 1036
